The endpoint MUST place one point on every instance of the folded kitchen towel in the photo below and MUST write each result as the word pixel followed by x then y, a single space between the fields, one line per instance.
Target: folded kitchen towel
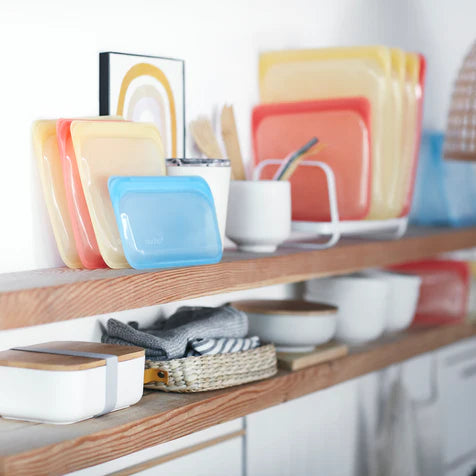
pixel 223 345
pixel 170 340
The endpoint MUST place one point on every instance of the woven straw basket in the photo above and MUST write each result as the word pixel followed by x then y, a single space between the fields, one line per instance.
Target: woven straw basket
pixel 460 139
pixel 212 372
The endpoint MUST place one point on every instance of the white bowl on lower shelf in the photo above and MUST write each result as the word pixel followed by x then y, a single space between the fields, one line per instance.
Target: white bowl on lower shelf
pixel 404 291
pixel 292 325
pixel 362 304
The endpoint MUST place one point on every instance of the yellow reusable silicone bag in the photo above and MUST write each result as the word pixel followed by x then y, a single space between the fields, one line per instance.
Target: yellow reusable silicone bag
pixel 51 175
pixel 410 130
pixel 296 75
pixel 104 149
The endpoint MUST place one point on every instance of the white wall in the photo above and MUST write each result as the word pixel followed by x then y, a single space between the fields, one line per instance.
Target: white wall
pixel 50 69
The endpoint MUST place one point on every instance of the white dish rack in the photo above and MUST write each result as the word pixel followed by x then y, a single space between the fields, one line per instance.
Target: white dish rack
pixel 335 228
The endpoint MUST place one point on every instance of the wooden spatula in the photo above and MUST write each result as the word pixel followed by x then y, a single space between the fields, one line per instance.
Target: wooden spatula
pixel 204 137
pixel 232 144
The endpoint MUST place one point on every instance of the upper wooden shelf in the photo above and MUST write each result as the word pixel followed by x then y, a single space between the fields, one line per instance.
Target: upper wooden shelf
pixel 31 448
pixel 44 296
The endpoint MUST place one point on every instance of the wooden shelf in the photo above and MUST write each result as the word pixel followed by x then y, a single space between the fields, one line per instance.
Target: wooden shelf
pixel 28 448
pixel 44 296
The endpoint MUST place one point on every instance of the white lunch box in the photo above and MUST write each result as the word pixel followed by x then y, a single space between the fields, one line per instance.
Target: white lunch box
pixel 65 382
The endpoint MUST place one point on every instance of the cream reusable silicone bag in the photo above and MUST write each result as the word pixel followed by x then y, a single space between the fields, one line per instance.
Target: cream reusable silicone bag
pixel 394 133
pixel 341 72
pixel 51 174
pixel 104 149
pixel 412 91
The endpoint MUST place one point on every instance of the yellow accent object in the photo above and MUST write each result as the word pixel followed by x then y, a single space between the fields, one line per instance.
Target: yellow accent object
pixel 51 174
pixel 105 149
pixel 156 375
pixel 145 69
pixel 344 72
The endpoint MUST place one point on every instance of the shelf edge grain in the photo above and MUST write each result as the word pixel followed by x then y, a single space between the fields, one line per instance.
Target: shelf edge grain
pixel 69 294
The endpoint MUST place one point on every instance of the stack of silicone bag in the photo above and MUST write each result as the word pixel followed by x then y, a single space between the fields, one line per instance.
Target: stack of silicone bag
pixel 392 82
pixel 338 73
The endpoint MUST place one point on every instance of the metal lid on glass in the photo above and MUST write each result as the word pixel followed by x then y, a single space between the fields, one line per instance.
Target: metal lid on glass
pixel 199 162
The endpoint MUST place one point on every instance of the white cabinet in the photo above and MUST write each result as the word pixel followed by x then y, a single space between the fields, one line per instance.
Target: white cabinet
pixel 218 460
pixel 458 395
pixel 313 435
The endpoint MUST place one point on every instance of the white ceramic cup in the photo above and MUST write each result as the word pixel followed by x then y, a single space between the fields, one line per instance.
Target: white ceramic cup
pixel 217 174
pixel 259 214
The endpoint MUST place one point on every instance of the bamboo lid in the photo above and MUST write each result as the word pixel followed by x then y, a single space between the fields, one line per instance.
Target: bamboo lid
pixel 460 138
pixel 41 361
pixel 284 307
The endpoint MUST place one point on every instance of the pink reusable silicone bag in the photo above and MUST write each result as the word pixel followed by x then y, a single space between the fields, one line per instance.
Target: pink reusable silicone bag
pixel 83 231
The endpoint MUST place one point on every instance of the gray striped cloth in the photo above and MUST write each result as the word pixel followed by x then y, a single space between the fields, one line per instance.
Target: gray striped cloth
pixel 170 339
pixel 223 345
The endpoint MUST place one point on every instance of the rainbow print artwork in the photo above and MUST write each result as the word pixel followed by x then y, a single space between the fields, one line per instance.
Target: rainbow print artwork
pixel 145 89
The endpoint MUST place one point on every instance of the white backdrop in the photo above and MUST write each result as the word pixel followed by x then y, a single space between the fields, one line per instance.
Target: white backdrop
pixel 50 69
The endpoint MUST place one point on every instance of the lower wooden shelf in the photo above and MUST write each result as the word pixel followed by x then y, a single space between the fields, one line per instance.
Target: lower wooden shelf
pixel 29 448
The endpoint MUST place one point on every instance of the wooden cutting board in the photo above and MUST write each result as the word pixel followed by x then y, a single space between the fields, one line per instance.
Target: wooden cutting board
pixel 322 353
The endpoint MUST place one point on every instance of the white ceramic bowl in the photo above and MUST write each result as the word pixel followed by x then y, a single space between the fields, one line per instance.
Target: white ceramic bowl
pixel 362 303
pixel 293 326
pixel 404 291
pixel 259 214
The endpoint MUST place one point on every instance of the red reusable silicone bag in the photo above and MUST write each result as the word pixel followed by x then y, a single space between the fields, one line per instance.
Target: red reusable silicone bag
pixel 343 125
pixel 83 231
pixel 444 290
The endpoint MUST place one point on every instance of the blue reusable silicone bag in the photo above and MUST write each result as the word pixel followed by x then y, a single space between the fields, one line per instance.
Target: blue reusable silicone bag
pixel 166 222
pixel 430 204
pixel 445 190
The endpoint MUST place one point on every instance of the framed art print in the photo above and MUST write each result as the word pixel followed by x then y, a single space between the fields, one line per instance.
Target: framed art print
pixel 145 89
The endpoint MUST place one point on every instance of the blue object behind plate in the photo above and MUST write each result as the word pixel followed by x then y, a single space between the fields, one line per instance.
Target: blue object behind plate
pixel 445 190
pixel 166 222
